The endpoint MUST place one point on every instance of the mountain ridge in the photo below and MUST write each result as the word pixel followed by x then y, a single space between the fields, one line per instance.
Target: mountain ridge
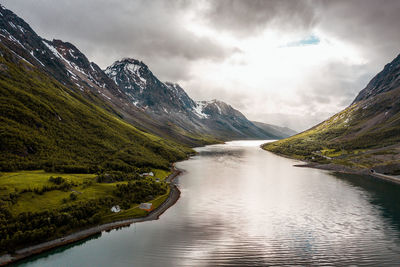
pixel 170 103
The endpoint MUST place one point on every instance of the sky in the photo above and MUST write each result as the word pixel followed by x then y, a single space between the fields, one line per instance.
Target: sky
pixel 290 63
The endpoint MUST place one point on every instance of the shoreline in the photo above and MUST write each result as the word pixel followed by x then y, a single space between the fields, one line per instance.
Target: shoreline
pixel 23 253
pixel 343 169
pixel 340 168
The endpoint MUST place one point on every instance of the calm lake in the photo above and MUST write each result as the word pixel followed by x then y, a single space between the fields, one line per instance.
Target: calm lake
pixel 242 206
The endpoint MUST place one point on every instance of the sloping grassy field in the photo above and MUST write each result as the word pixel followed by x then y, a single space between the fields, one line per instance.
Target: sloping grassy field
pixel 364 135
pixel 43 124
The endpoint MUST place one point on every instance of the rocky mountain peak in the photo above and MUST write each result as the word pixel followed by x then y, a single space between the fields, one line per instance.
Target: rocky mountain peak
pixel 128 66
pixel 72 54
pixel 217 107
pixel 26 45
pixel 129 73
pixel 144 89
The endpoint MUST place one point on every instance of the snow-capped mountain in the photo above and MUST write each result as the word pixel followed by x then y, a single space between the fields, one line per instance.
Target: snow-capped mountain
pixel 128 89
pixel 18 36
pixel 169 103
pixel 82 73
pixel 136 80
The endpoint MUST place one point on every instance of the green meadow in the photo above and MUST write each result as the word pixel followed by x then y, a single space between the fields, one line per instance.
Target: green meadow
pixel 78 201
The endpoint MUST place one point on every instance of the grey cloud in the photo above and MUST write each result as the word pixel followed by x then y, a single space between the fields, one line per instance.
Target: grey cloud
pixel 248 17
pixel 371 25
pixel 336 83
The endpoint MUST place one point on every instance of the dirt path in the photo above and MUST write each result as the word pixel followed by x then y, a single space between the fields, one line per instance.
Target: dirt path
pixel 153 215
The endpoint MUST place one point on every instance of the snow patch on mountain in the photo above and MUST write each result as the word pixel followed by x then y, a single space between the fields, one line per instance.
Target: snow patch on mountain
pixel 198 109
pixel 56 53
pixel 12 25
pixel 36 58
pixel 12 38
pixel 21 28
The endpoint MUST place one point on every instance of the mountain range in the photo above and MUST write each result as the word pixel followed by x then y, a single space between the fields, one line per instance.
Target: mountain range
pixel 61 80
pixel 364 135
pixel 130 90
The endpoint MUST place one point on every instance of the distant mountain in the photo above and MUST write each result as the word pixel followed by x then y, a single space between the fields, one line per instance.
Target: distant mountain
pixel 143 89
pixel 169 103
pixel 278 131
pixel 364 135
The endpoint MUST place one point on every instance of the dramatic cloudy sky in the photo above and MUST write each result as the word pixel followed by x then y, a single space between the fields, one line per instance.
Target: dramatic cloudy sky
pixel 291 63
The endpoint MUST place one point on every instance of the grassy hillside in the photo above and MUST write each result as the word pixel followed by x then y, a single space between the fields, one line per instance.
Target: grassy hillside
pixel 85 159
pixel 364 135
pixel 46 125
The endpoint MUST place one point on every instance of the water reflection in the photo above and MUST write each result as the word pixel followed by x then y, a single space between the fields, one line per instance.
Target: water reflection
pixel 382 194
pixel 57 250
pixel 244 206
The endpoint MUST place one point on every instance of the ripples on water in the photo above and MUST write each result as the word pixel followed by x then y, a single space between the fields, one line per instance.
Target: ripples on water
pixel 244 206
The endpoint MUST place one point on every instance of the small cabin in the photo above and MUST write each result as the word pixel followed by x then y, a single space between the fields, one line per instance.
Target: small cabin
pixel 115 209
pixel 147 174
pixel 146 206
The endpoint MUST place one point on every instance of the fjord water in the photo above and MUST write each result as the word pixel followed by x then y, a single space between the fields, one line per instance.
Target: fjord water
pixel 242 206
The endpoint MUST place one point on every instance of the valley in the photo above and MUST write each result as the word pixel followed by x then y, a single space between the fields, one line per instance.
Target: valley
pixel 75 140
pixel 88 150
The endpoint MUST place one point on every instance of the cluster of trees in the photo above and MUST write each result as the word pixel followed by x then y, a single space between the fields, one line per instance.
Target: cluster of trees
pixel 59 184
pixel 47 188
pixel 57 180
pixel 33 227
pixel 116 176
pixel 139 191
pixel 29 228
pixel 11 197
pixel 70 168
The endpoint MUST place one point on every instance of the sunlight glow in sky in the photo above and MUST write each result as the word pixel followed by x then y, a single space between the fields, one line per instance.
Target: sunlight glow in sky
pixel 274 68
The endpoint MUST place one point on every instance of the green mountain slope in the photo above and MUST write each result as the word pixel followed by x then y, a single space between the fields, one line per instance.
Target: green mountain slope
pixel 46 125
pixel 364 135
